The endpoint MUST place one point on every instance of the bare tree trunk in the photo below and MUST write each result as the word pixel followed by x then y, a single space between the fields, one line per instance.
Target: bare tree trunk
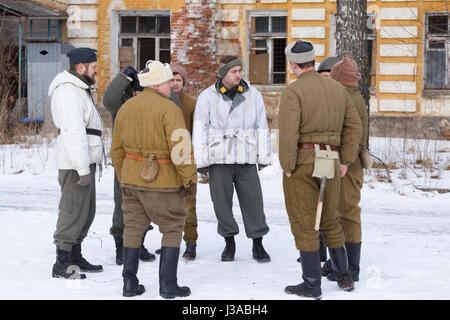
pixel 351 38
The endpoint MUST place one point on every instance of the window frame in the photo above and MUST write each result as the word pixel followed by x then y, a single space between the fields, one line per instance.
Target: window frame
pixel 269 37
pixel 135 36
pixel 428 37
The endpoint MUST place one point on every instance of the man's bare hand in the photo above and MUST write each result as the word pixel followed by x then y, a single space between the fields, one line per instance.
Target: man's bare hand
pixel 343 168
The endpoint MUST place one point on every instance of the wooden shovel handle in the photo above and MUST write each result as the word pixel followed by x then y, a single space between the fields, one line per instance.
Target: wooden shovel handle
pixel 318 215
pixel 320 203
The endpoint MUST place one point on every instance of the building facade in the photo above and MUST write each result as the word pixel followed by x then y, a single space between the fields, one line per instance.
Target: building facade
pixel 408 48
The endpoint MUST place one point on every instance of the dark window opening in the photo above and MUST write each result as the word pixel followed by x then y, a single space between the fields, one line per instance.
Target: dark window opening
pixel 164 25
pixel 146 51
pixel 436 44
pixel 261 24
pixel 438 24
pixel 127 42
pixel 147 25
pixel 128 25
pixel 278 24
pixel 279 61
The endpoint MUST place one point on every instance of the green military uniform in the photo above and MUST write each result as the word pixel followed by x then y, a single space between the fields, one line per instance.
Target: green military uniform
pixel 190 229
pixel 315 110
pixel 352 182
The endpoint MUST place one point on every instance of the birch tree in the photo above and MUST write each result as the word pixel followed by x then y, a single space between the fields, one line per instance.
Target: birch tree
pixel 351 38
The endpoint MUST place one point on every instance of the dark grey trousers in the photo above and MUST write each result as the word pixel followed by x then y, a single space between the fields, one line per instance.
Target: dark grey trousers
pixel 76 209
pixel 244 177
pixel 117 220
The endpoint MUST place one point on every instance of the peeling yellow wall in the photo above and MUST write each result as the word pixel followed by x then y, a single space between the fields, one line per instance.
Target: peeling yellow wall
pixel 375 6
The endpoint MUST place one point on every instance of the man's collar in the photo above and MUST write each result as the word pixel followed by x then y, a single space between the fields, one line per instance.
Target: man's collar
pixel 82 78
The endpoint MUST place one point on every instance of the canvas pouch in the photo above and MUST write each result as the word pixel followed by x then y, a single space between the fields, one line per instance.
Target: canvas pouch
pixel 149 168
pixel 366 159
pixel 324 162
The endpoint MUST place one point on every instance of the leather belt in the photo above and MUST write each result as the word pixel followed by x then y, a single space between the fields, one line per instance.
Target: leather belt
pixel 93 132
pixel 141 158
pixel 311 146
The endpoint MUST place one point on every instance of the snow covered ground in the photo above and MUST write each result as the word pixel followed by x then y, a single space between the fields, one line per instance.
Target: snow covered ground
pixel 406 235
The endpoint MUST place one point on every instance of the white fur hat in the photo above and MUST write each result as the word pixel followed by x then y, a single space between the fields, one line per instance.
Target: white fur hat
pixel 154 73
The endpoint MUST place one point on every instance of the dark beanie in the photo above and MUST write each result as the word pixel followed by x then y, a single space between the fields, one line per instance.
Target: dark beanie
pixel 82 55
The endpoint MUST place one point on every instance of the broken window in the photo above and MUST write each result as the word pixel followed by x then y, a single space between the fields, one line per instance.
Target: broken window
pixel 436 52
pixel 268 36
pixel 143 38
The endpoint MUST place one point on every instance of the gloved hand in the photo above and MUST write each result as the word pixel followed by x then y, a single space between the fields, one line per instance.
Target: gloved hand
pixel 84 180
pixel 261 166
pixel 204 170
pixel 190 192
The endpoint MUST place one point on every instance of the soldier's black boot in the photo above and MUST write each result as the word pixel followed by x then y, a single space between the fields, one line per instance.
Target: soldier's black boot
pixel 131 286
pixel 230 249
pixel 339 264
pixel 168 265
pixel 322 250
pixel 119 250
pixel 61 268
pixel 354 257
pixel 145 255
pixel 191 251
pixel 311 276
pixel 259 254
pixel 326 269
pixel 77 259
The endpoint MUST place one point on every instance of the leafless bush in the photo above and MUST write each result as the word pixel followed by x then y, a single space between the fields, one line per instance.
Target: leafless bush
pixel 8 84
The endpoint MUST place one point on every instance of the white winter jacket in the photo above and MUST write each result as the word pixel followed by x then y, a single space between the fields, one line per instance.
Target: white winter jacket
pixel 73 111
pixel 222 135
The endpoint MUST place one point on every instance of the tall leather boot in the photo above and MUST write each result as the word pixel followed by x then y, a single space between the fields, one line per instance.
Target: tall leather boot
pixel 259 254
pixel 168 265
pixel 119 250
pixel 77 259
pixel 145 255
pixel 354 257
pixel 327 270
pixel 311 276
pixel 339 264
pixel 60 268
pixel 230 249
pixel 131 286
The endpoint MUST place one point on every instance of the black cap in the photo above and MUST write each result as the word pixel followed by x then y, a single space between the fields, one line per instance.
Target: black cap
pixel 82 55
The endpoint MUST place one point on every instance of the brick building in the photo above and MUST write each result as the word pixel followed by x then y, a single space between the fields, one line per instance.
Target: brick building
pixel 408 47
